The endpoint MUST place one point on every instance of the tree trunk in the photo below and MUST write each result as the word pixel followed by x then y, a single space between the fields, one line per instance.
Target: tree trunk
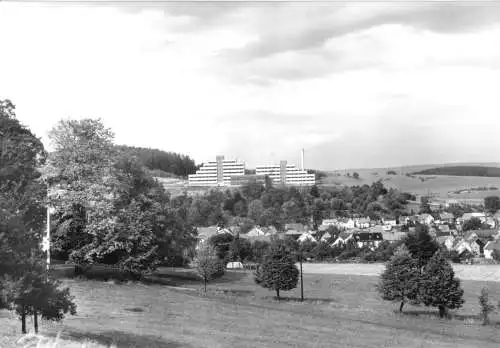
pixel 278 294
pixel 442 311
pixel 35 321
pixel 23 321
pixel 401 306
pixel 205 282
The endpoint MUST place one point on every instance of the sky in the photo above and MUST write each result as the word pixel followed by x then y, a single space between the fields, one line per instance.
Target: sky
pixel 355 84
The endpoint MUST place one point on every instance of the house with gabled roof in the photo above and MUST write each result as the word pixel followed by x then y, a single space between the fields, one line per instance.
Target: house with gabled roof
pixel 393 236
pixel 368 239
pixel 447 240
pixel 255 231
pixel 306 236
pixel 326 237
pixel 342 239
pixel 490 247
pixel 468 216
pixel 426 219
pixel 446 217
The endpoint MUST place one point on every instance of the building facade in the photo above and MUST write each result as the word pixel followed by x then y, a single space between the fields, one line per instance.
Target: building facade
pixel 217 173
pixel 286 174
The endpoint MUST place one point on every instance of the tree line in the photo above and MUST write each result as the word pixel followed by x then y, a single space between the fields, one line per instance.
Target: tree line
pixel 160 162
pixel 268 205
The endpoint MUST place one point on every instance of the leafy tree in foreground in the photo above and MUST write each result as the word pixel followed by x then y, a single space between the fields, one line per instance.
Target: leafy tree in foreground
pixel 439 287
pixel 421 245
pixel 278 270
pixel 399 281
pixel 23 285
pixel 486 306
pixel 33 294
pixel 207 263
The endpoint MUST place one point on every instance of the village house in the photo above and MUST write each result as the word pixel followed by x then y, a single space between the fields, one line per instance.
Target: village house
pixel 447 240
pixel 362 223
pixel 306 237
pixel 325 237
pixel 370 240
pixel 342 239
pixel 467 216
pixel 425 219
pixel 393 236
pixel 490 247
pixel 446 217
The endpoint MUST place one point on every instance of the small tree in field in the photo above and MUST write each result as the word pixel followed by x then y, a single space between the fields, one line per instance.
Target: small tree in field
pixel 207 263
pixel 32 293
pixel 486 306
pixel 278 270
pixel 399 281
pixel 439 287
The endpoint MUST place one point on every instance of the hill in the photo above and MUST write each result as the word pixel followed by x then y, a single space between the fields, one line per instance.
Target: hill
pixel 463 171
pixel 162 162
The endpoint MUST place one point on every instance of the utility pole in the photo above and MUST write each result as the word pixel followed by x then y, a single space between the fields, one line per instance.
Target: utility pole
pixel 301 280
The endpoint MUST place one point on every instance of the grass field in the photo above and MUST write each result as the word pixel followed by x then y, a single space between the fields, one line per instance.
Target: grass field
pixel 340 311
pixel 439 186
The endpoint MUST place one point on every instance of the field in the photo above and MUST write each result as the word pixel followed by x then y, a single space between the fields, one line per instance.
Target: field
pixel 341 310
pixel 432 185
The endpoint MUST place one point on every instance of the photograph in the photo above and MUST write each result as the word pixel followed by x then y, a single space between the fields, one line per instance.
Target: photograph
pixel 249 173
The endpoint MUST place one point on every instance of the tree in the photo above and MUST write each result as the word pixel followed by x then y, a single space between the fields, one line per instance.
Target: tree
pixel 278 270
pixel 492 204
pixel 399 281
pixel 23 282
pixel 472 224
pixel 439 287
pixel 222 243
pixel 486 306
pixel 240 250
pixel 421 245
pixel 255 210
pixel 32 294
pixel 207 264
pixel 355 175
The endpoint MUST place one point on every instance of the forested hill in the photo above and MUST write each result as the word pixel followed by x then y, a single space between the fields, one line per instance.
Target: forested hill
pixel 463 171
pixel 158 160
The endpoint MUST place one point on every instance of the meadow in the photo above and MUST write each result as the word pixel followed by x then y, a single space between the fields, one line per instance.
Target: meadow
pixel 340 310
pixel 441 186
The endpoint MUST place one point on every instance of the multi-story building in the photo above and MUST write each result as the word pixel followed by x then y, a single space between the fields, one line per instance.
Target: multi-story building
pixel 217 173
pixel 286 174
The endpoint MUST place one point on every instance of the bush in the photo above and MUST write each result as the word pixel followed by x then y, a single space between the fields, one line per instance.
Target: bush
pixel 486 306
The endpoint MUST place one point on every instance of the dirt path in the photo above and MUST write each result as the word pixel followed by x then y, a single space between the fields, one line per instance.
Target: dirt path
pixel 466 272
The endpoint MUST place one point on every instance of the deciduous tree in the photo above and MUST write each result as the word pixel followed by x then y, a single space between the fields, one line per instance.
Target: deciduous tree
pixel 207 263
pixel 278 270
pixel 399 281
pixel 439 287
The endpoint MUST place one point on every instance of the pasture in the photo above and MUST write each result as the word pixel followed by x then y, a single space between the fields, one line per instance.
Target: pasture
pixel 341 310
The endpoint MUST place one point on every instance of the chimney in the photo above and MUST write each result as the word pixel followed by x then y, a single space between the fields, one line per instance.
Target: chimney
pixel 302 159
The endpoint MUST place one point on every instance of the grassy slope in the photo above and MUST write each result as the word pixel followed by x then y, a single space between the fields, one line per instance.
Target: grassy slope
pixel 346 313
pixel 463 171
pixel 440 186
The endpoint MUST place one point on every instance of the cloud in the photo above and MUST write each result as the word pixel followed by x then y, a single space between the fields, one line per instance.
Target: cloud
pixel 354 85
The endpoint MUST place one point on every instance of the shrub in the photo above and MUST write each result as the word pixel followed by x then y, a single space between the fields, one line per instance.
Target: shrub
pixel 486 306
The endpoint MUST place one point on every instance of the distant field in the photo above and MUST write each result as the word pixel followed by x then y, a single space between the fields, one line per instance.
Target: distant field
pixel 487 273
pixel 438 186
pixel 340 311
pixel 462 171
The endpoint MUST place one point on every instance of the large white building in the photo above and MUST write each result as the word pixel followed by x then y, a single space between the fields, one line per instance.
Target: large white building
pixel 286 174
pixel 217 173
